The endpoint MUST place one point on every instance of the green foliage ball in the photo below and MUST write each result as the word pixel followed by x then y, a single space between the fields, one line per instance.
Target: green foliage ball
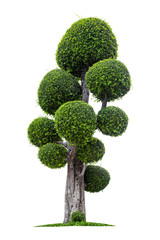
pixel 76 122
pixel 108 78
pixel 96 178
pixel 52 155
pixel 78 216
pixel 41 131
pixel 112 121
pixel 56 88
pixel 86 42
pixel 91 152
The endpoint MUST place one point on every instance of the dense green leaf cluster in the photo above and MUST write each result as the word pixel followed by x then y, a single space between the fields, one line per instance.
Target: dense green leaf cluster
pixel 78 216
pixel 91 152
pixel 86 42
pixel 108 78
pixel 96 178
pixel 112 121
pixel 56 88
pixel 41 131
pixel 76 121
pixel 52 155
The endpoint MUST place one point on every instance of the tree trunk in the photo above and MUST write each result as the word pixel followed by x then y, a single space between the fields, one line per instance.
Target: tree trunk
pixel 74 195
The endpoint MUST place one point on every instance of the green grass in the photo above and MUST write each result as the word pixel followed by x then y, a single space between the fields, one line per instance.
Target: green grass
pixel 75 224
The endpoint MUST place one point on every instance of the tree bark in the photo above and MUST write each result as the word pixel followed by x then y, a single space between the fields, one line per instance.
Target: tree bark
pixel 104 103
pixel 74 195
pixel 85 90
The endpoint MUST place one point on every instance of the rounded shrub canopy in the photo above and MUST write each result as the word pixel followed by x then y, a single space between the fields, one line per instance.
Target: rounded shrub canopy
pixel 86 42
pixel 52 155
pixel 108 78
pixel 92 151
pixel 56 88
pixel 96 178
pixel 112 121
pixel 78 216
pixel 41 131
pixel 76 122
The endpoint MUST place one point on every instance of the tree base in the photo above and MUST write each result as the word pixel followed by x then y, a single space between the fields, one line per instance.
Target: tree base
pixel 70 223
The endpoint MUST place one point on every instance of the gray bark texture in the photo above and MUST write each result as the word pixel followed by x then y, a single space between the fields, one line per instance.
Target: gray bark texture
pixel 104 103
pixel 74 193
pixel 85 90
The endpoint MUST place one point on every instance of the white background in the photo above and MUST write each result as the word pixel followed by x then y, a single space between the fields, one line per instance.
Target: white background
pixel 32 194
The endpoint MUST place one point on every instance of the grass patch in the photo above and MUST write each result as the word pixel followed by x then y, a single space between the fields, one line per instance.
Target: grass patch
pixel 70 223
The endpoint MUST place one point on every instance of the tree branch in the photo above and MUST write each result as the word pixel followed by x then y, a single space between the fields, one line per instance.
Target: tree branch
pixel 66 159
pixel 65 144
pixel 85 90
pixel 83 170
pixel 104 103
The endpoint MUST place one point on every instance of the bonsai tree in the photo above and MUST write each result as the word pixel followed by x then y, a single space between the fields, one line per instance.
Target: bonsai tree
pixel 87 60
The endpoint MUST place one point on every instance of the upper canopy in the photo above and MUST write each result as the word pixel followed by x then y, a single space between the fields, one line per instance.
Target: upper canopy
pixel 86 42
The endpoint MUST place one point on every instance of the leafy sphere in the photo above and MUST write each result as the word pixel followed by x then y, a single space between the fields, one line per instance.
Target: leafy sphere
pixel 56 88
pixel 76 122
pixel 86 42
pixel 108 78
pixel 96 178
pixel 91 152
pixel 78 216
pixel 112 121
pixel 52 155
pixel 41 131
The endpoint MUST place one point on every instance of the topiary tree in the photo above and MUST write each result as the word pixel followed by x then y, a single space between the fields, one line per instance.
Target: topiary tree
pixel 86 57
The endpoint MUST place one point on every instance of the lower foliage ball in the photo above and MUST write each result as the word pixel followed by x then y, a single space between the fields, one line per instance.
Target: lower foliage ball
pixel 96 178
pixel 78 216
pixel 42 131
pixel 76 122
pixel 52 155
pixel 112 121
pixel 91 152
